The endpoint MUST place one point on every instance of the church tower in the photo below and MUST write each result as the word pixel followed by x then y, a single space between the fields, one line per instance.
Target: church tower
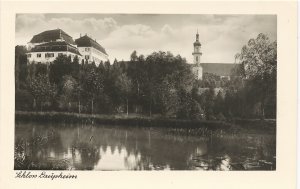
pixel 197 50
pixel 197 68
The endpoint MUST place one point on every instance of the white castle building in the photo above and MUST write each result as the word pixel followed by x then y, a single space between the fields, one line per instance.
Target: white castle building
pixel 45 47
pixel 90 50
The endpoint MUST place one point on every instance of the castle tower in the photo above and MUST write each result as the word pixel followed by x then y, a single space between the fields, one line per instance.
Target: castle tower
pixel 197 50
pixel 197 68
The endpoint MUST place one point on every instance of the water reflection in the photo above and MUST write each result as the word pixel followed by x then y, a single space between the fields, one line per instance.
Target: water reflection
pixel 78 147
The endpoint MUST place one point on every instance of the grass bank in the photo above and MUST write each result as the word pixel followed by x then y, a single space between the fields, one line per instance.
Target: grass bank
pixel 138 120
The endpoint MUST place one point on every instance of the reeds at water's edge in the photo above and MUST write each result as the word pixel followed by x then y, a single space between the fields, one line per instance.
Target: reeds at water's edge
pixel 137 120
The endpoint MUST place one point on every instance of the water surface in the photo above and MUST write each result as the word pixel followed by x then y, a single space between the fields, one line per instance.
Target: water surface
pixel 103 147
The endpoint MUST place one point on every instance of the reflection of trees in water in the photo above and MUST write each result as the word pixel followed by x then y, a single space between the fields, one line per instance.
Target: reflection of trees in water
pixel 145 149
pixel 140 148
pixel 151 149
pixel 211 163
pixel 89 156
pixel 85 153
pixel 38 150
pixel 238 153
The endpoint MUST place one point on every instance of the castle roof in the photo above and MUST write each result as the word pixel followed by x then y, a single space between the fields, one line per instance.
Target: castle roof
pixel 220 69
pixel 52 35
pixel 55 46
pixel 86 41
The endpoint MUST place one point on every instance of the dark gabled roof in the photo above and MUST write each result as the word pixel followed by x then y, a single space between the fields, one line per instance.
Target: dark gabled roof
pixel 220 69
pixel 86 41
pixel 55 46
pixel 52 35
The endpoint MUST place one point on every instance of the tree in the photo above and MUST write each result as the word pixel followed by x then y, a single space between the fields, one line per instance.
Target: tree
pixel 169 97
pixel 41 69
pixel 133 56
pixel 160 66
pixel 196 111
pixel 124 84
pixel 93 83
pixel 69 86
pixel 207 102
pixel 42 90
pixel 61 66
pixel 78 91
pixel 20 66
pixel 136 72
pixel 219 103
pixel 75 68
pixel 210 80
pixel 259 60
pixel 115 61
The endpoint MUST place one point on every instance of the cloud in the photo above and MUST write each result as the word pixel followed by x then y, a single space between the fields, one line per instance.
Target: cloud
pixel 221 36
pixel 98 28
pixel 28 25
pixel 168 30
pixel 26 21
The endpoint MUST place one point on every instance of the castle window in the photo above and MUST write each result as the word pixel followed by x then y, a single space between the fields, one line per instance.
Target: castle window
pixel 87 49
pixel 87 57
pixel 49 55
pixel 39 55
pixel 28 55
pixel 196 58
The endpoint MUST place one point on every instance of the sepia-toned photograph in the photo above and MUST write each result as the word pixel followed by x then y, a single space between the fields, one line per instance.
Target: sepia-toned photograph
pixel 111 92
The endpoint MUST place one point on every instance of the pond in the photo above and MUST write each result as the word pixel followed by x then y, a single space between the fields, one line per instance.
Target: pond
pixel 40 146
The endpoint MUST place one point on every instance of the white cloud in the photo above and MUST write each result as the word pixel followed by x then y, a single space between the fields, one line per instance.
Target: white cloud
pixel 221 36
pixel 167 30
pixel 27 21
pixel 28 25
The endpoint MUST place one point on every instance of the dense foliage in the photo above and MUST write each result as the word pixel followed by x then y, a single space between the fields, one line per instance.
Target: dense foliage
pixel 160 84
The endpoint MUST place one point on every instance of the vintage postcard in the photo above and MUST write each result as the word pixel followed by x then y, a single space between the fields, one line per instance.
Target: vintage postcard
pixel 116 94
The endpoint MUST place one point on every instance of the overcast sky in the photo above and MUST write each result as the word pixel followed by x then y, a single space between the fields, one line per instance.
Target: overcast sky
pixel 221 36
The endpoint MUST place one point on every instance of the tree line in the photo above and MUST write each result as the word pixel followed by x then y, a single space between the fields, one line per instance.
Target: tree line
pixel 159 84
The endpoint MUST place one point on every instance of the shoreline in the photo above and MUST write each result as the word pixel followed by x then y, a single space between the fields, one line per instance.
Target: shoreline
pixel 142 121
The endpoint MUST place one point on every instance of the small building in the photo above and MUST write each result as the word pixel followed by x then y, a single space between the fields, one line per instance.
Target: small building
pixel 45 47
pixel 91 50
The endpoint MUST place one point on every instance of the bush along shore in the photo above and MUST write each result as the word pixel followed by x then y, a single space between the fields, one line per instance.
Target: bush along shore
pixel 141 121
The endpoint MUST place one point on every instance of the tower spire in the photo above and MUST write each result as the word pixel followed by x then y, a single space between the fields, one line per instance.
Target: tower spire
pixel 197 35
